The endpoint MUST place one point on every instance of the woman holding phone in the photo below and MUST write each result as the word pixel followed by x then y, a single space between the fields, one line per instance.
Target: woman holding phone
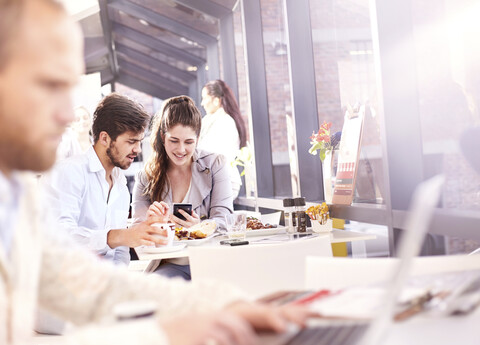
pixel 178 172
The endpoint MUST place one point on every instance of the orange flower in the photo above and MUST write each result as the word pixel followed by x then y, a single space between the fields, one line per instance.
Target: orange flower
pixel 326 126
pixel 321 140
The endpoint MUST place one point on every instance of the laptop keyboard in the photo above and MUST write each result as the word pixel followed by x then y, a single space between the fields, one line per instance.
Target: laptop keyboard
pixel 341 334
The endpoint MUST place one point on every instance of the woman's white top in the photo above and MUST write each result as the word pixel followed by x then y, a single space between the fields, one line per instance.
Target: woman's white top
pixel 219 134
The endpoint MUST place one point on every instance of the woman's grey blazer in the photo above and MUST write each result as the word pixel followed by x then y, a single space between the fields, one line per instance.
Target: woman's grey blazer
pixel 210 191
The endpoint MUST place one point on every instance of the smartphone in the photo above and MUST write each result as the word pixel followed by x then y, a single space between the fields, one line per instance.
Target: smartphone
pixel 233 243
pixel 186 207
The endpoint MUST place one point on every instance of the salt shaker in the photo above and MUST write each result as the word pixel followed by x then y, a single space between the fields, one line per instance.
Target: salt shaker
pixel 300 210
pixel 289 215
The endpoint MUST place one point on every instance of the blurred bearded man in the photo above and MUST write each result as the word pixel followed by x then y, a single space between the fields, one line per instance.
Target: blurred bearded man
pixel 41 59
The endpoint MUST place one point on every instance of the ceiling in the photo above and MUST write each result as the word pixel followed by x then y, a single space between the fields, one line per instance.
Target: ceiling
pixel 161 47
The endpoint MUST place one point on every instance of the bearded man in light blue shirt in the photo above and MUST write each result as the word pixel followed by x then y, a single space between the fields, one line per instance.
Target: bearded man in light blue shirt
pixel 41 59
pixel 88 193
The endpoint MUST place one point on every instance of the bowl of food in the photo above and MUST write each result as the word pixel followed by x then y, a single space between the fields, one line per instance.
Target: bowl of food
pixel 320 218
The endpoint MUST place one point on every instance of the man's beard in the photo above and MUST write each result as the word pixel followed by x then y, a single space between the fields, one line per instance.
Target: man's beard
pixel 113 154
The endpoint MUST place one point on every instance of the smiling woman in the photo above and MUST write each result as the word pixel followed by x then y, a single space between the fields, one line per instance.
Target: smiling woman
pixel 178 172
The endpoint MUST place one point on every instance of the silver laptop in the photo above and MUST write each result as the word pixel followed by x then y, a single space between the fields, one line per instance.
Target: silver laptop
pixel 423 204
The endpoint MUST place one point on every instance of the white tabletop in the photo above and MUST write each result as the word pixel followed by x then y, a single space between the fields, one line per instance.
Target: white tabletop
pixel 462 330
pixel 336 236
pixel 416 331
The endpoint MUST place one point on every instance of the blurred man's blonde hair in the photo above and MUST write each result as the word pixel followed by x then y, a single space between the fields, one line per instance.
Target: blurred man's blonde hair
pixel 10 16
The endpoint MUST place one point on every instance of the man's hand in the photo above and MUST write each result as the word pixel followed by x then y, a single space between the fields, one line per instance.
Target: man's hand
pixel 142 234
pixel 158 212
pixel 222 328
pixel 190 219
pixel 264 317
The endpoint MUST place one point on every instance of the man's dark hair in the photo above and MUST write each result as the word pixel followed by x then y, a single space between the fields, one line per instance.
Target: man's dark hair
pixel 117 114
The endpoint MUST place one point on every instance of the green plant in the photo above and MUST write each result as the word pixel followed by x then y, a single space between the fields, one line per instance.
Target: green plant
pixel 321 141
pixel 244 157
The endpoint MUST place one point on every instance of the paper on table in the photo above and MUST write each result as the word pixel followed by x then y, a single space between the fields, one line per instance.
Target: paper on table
pixel 358 302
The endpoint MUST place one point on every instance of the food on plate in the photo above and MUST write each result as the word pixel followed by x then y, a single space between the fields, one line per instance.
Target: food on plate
pixel 319 212
pixel 196 232
pixel 181 234
pixel 206 227
pixel 255 224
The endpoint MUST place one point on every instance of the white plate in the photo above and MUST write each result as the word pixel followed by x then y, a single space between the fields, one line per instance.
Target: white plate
pixel 266 232
pixel 195 242
pixel 158 250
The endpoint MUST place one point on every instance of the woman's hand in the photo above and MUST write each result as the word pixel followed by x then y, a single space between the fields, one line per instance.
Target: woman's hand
pixel 190 219
pixel 158 212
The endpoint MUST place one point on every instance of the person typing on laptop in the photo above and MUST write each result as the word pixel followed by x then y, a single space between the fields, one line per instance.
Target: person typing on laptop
pixel 41 60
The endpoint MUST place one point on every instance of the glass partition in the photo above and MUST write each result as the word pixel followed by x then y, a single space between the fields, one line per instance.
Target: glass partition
pixel 278 92
pixel 448 62
pixel 248 175
pixel 345 77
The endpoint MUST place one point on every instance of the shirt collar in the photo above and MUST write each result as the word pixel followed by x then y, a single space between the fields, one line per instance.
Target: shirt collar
pixel 94 164
pixel 197 159
pixel 219 112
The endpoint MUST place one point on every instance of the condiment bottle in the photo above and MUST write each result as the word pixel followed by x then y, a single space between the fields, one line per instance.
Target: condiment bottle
pixel 300 210
pixel 289 215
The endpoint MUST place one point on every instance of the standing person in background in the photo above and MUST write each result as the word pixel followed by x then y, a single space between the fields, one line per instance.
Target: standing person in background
pixel 88 193
pixel 69 145
pixel 178 172
pixel 82 128
pixel 223 130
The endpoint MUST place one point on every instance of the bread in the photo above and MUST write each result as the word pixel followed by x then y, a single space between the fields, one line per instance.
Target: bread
pixel 205 228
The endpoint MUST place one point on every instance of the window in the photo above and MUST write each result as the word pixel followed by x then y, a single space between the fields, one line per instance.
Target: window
pixel 448 62
pixel 345 77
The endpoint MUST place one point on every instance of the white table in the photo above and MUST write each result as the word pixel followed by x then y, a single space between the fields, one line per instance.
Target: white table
pixel 419 331
pixel 416 331
pixel 336 236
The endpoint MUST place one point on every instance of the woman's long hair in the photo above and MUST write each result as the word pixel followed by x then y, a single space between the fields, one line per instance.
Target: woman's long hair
pixel 218 88
pixel 179 110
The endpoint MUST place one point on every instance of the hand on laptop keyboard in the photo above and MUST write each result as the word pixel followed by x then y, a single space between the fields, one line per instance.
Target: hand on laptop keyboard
pixel 264 317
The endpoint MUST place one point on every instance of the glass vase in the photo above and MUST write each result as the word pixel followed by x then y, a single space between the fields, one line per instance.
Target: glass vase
pixel 329 171
pixel 249 181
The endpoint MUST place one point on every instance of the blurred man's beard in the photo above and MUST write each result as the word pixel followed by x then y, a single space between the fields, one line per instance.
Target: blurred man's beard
pixel 115 158
pixel 22 156
pixel 39 161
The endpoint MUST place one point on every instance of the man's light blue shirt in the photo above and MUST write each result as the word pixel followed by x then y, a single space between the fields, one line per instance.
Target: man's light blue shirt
pixel 10 190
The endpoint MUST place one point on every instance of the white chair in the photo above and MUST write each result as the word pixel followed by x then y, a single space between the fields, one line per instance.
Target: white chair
pixel 259 269
pixel 338 273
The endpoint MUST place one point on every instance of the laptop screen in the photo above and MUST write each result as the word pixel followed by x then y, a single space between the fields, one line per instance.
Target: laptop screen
pixel 421 210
